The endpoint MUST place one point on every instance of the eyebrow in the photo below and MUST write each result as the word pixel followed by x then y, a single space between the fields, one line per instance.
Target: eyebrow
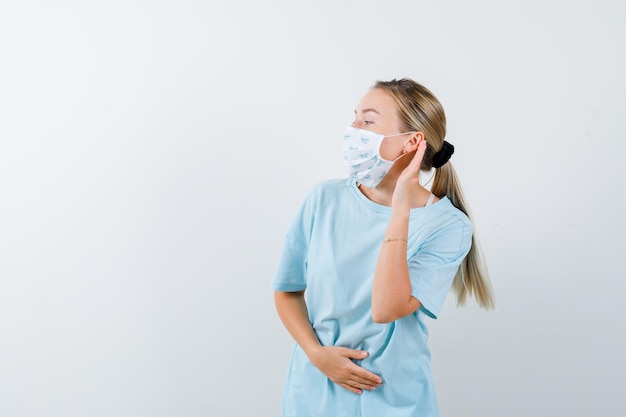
pixel 369 110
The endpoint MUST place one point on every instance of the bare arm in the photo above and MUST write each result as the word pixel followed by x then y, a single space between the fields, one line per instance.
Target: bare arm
pixel 333 361
pixel 293 313
pixel 391 291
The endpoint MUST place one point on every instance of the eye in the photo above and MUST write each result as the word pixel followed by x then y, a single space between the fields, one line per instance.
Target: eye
pixel 368 122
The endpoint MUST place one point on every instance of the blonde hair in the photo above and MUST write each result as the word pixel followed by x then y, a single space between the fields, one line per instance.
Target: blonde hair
pixel 420 111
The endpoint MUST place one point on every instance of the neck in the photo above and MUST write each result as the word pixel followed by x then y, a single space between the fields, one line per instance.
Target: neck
pixel 377 194
pixel 383 192
pixel 383 195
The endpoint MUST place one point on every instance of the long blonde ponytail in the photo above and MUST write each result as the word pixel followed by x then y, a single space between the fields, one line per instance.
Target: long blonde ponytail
pixel 421 111
pixel 472 278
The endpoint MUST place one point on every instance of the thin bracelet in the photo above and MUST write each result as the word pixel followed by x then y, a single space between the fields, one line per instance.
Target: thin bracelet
pixel 387 240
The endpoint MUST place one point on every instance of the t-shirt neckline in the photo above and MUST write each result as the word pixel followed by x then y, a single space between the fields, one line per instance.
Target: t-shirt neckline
pixel 381 208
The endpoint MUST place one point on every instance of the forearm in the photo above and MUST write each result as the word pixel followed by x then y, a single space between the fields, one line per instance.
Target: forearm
pixel 333 361
pixel 391 292
pixel 293 312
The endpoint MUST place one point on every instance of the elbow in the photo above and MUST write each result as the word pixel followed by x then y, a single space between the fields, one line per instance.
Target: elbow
pixel 382 314
pixel 382 317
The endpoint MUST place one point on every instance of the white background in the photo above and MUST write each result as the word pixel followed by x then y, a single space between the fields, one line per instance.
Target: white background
pixel 153 152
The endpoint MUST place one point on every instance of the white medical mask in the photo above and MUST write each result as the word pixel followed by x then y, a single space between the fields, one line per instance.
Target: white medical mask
pixel 361 154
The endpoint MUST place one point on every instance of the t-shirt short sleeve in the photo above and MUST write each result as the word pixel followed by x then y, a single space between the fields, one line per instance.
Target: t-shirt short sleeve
pixel 433 267
pixel 291 272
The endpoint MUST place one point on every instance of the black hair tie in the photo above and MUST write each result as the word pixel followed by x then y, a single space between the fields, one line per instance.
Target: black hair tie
pixel 443 156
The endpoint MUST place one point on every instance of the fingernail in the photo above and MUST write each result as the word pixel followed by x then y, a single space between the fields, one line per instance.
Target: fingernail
pixel 363 353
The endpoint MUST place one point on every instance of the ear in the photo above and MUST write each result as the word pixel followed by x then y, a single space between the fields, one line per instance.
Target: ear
pixel 414 140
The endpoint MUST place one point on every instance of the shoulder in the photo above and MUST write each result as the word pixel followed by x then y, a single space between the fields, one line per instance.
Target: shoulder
pixel 449 227
pixel 446 210
pixel 324 195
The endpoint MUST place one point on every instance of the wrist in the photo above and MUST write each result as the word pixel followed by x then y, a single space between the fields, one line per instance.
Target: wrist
pixel 313 353
pixel 400 213
pixel 388 239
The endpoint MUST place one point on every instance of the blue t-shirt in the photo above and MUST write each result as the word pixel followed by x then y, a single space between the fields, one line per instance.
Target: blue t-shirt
pixel 330 250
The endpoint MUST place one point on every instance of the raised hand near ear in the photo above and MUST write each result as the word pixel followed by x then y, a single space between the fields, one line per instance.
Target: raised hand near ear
pixel 408 189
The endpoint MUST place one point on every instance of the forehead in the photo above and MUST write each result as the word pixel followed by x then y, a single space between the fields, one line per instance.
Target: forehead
pixel 380 101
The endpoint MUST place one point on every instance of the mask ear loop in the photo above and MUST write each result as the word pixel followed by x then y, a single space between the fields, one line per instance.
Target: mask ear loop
pixel 400 134
pixel 403 154
pixel 431 172
pixel 403 149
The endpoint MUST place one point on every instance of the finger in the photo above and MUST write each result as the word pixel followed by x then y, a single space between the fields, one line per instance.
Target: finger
pixel 352 353
pixel 421 148
pixel 359 375
pixel 416 162
pixel 362 384
pixel 350 388
pixel 367 376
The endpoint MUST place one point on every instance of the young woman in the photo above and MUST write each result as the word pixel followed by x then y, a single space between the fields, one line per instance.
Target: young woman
pixel 367 259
